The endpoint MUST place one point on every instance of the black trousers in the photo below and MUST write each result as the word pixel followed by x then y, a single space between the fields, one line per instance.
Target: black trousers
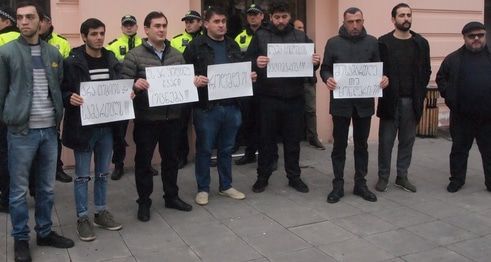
pixel 463 129
pixel 4 170
pixel 284 117
pixel 361 130
pixel 146 135
pixel 183 148
pixel 250 128
pixel 119 142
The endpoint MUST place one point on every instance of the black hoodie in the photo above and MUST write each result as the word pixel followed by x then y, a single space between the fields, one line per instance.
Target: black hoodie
pixel 285 87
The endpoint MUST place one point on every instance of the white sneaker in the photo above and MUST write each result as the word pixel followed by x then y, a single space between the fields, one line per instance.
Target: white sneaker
pixel 232 193
pixel 201 198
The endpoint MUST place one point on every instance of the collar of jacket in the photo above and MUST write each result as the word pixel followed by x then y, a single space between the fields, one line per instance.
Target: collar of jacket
pixel 48 35
pixel 8 29
pixel 78 56
pixel 344 34
pixel 149 47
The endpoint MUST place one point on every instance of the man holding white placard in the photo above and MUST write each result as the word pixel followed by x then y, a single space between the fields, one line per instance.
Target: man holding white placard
pixel 215 121
pixel 352 45
pixel 281 99
pixel 89 62
pixel 159 124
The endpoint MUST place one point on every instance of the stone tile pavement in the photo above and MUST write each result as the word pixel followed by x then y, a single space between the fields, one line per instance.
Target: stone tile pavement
pixel 283 225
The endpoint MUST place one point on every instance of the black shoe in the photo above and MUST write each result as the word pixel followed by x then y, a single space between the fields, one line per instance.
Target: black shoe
pixel 143 212
pixel 299 185
pixel 55 240
pixel 213 163
pixel 63 177
pixel 363 192
pixel 154 171
pixel 316 143
pixel 21 250
pixel 454 186
pixel 118 172
pixel 182 163
pixel 336 194
pixel 177 203
pixel 245 159
pixel 260 185
pixel 4 208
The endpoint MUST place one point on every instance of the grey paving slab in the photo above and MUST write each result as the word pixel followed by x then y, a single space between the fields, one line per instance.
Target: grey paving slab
pixel 475 249
pixel 441 233
pixel 474 222
pixel 276 243
pixel 439 209
pixel 400 242
pixel 252 227
pixel 322 233
pixel 403 216
pixel 363 224
pixel 121 259
pixel 304 255
pixel 356 249
pixel 435 255
pixel 230 208
pixel 171 254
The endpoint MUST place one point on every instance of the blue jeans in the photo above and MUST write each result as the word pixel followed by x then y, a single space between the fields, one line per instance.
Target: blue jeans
pixel 22 149
pixel 101 143
pixel 216 126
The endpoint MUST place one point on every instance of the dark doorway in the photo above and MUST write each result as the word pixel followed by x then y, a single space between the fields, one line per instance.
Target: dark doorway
pixel 236 11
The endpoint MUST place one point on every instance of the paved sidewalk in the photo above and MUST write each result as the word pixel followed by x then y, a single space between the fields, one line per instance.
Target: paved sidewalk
pixel 284 225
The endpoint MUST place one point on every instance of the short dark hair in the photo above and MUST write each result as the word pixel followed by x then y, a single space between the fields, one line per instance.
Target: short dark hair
pixel 91 23
pixel 214 10
pixel 39 9
pixel 352 11
pixel 152 15
pixel 400 5
pixel 279 6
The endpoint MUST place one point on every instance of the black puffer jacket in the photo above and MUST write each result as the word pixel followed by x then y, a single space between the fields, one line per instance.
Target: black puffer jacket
pixel 76 70
pixel 347 49
pixel 285 87
pixel 134 65
pixel 386 108
pixel 201 55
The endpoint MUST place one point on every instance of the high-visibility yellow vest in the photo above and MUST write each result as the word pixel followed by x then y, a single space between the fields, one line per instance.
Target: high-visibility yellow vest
pixel 120 46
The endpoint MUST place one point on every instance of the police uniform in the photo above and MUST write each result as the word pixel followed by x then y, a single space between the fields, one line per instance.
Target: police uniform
pixel 181 41
pixel 9 36
pixel 60 43
pixel 121 45
pixel 244 39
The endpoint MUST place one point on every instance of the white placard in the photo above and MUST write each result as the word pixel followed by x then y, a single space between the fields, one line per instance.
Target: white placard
pixel 290 60
pixel 106 101
pixel 358 80
pixel 229 80
pixel 171 85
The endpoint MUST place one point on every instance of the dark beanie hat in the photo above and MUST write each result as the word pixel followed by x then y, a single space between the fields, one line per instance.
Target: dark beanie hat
pixel 471 26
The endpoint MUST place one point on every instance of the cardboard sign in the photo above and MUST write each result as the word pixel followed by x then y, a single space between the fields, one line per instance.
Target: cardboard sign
pixel 290 60
pixel 358 80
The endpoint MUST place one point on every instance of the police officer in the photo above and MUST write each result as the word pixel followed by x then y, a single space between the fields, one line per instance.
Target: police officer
pixel 8 32
pixel 255 16
pixel 128 40
pixel 193 23
pixel 46 33
pixel 120 47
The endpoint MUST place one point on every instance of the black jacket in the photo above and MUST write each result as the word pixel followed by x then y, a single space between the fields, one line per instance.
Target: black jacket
pixel 347 49
pixel 200 54
pixel 387 104
pixel 285 87
pixel 76 70
pixel 447 78
pixel 134 64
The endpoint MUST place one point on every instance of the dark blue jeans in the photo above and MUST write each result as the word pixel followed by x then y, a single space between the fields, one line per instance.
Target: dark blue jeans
pixel 41 144
pixel 218 125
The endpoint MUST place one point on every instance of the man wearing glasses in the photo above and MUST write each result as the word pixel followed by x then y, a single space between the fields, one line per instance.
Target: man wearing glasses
pixel 464 80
